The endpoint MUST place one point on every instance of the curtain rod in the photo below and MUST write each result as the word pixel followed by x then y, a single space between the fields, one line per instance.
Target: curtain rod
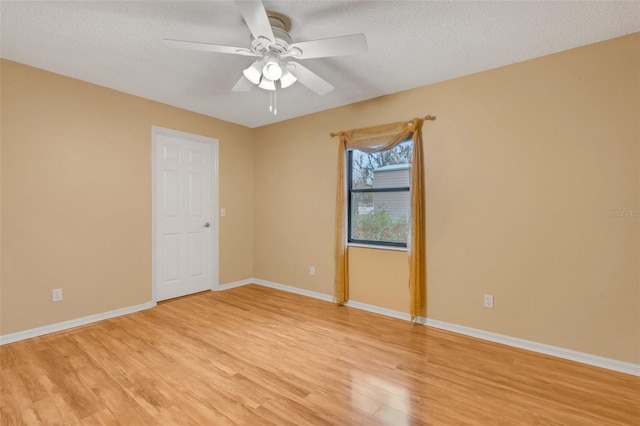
pixel 426 117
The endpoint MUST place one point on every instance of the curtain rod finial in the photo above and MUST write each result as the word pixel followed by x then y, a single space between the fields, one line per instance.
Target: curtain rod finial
pixel 430 117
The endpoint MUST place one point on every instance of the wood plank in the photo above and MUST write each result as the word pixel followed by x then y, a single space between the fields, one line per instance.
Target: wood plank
pixel 254 355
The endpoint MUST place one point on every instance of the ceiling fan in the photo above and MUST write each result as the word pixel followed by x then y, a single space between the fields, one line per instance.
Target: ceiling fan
pixel 271 43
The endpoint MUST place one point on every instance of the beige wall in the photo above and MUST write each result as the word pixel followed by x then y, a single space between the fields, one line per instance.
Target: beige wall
pixel 379 266
pixel 76 196
pixel 1 198
pixel 521 164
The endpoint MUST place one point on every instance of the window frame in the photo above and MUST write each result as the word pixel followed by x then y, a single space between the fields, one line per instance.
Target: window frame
pixel 351 191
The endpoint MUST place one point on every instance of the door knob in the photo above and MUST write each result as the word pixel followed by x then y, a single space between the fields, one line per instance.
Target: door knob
pixel 207 225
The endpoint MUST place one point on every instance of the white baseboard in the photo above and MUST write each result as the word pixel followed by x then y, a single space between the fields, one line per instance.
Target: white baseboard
pixel 581 357
pixel 378 310
pixel 234 284
pixel 296 290
pixel 584 358
pixel 65 325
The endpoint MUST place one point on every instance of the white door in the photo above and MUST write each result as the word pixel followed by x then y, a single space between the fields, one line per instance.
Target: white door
pixel 185 228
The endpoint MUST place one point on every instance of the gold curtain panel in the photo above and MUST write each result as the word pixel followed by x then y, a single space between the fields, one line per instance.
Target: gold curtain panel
pixel 374 139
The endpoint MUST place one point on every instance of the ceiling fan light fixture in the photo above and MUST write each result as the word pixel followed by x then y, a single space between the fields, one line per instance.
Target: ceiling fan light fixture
pixel 272 70
pixel 253 73
pixel 287 79
pixel 267 84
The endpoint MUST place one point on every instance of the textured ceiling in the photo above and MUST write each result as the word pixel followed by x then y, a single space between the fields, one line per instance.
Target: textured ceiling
pixel 118 44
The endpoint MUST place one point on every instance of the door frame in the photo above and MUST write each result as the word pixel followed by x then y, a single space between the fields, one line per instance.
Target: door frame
pixel 215 189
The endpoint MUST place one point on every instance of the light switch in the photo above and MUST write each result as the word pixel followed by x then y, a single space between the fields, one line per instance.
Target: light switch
pixel 223 212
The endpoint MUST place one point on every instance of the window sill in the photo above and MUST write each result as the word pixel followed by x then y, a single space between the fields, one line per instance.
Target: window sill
pixel 376 247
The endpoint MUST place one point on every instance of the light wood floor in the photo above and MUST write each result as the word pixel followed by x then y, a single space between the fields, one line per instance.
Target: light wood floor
pixel 257 356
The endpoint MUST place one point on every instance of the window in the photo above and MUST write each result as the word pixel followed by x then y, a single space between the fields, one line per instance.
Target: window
pixel 379 198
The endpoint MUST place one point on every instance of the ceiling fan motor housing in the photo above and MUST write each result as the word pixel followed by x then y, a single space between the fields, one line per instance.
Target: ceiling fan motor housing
pixel 280 26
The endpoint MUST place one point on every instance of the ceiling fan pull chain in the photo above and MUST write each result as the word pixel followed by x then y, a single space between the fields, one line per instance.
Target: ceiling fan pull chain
pixel 275 100
pixel 270 102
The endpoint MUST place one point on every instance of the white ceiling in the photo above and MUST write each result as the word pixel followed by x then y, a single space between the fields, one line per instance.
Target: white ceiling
pixel 118 44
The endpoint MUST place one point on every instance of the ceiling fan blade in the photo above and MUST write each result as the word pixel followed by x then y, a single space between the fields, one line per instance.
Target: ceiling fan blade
pixel 243 85
pixel 353 44
pixel 206 47
pixel 255 16
pixel 309 78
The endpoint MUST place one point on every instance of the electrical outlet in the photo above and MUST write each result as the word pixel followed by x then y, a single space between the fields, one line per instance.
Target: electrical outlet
pixel 56 295
pixel 312 270
pixel 488 301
